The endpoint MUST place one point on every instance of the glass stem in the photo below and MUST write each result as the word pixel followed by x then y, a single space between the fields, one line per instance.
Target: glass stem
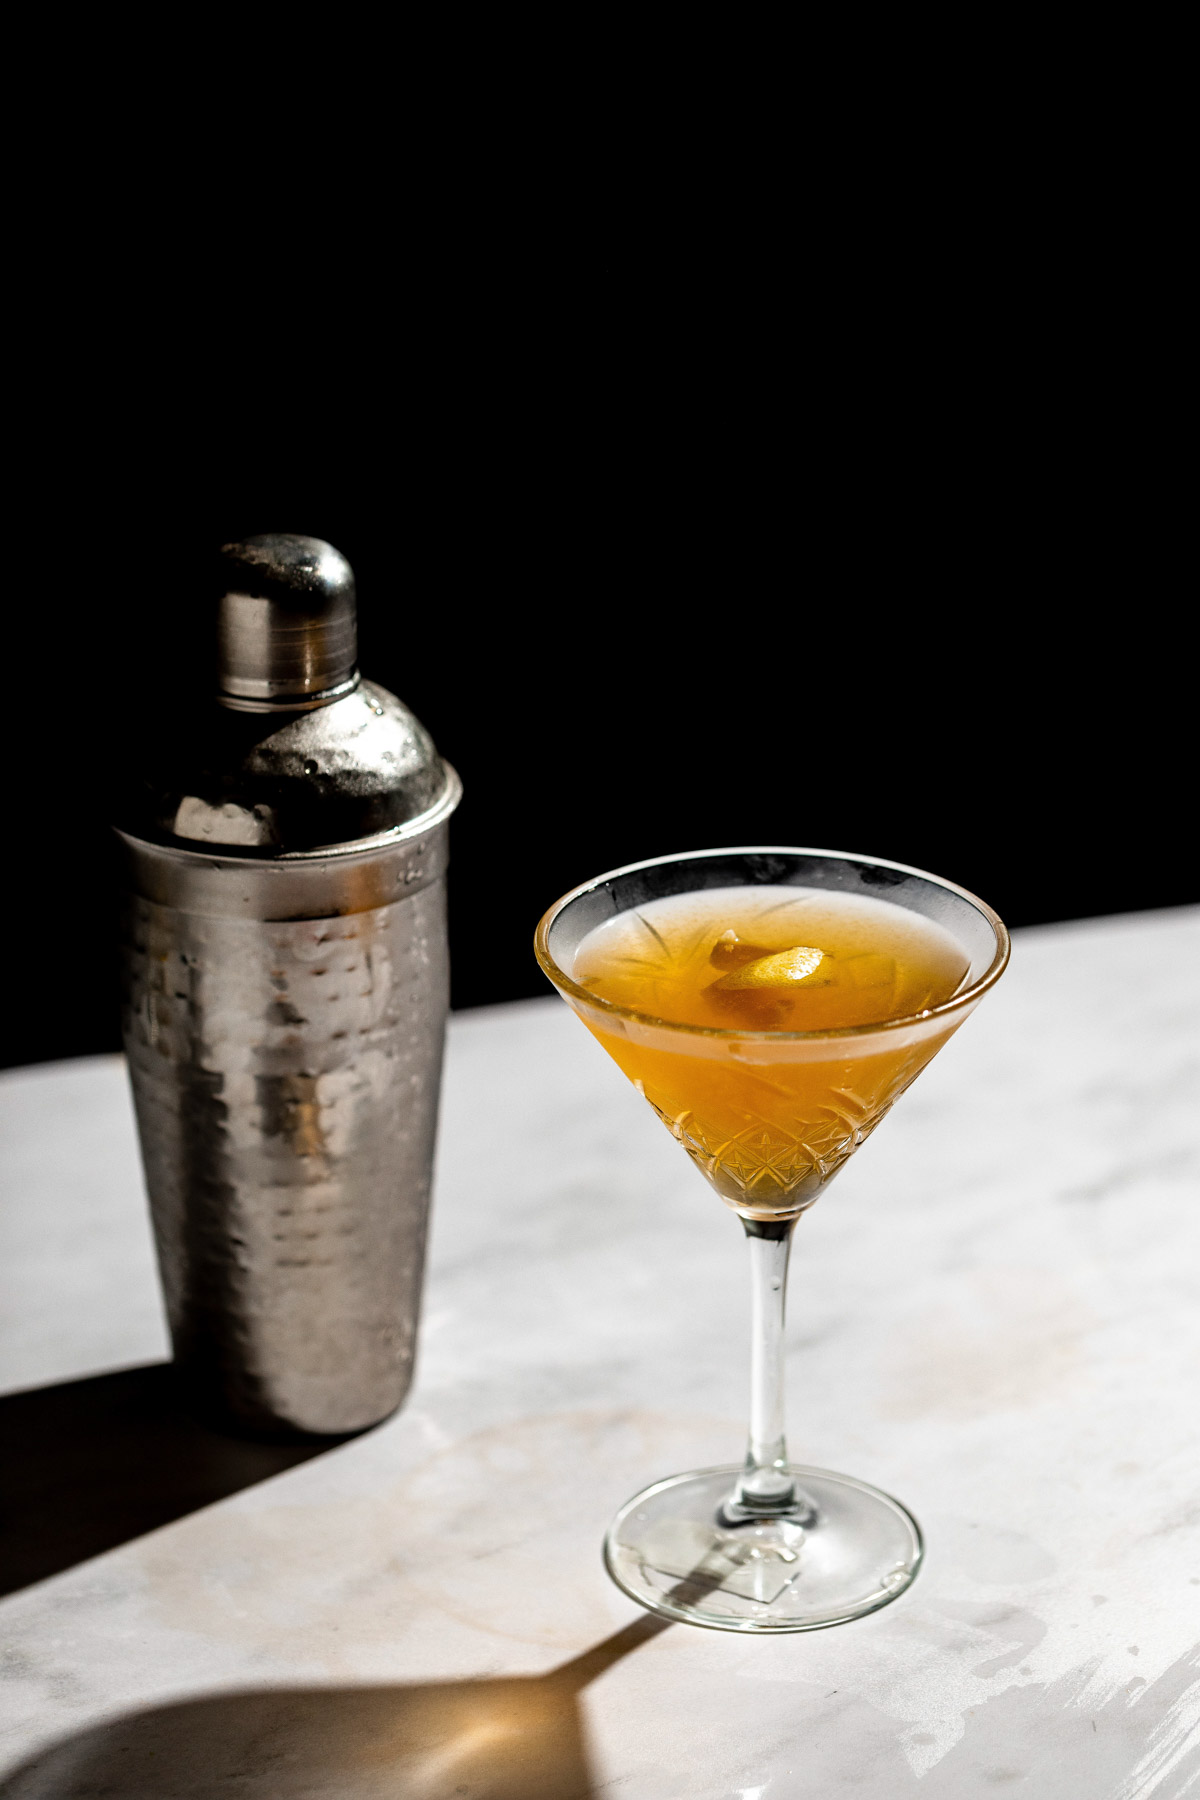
pixel 766 1485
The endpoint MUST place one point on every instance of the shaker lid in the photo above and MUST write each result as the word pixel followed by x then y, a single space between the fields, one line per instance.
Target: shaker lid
pixel 293 754
pixel 286 625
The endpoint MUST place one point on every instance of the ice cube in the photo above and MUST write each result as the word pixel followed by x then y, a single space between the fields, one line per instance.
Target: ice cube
pixel 732 952
pixel 785 969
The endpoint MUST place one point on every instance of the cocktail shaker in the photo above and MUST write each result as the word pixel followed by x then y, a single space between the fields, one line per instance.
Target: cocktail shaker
pixel 285 999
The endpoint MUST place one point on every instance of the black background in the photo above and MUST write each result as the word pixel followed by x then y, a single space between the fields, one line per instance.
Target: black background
pixel 662 562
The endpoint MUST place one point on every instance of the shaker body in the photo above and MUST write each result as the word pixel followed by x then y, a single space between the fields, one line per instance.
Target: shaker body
pixel 283 1024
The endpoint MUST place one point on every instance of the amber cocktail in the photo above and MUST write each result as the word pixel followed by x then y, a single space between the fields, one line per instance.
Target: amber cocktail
pixel 771 1005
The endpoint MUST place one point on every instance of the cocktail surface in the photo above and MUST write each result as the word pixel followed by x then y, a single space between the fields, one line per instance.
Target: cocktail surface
pixel 771 959
pixel 769 1123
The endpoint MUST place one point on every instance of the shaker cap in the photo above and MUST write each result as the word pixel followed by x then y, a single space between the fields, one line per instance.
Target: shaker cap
pixel 298 756
pixel 286 625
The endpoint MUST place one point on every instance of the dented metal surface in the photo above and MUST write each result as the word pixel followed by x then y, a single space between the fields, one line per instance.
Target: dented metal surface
pixel 286 986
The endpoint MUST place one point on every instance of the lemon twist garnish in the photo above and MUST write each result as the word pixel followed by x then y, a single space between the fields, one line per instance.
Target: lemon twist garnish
pixel 786 969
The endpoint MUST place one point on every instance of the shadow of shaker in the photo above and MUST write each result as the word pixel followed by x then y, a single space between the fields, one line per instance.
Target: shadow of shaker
pixel 92 1463
pixel 518 1738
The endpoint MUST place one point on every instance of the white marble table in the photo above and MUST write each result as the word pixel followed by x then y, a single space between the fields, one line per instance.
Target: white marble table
pixel 995 1315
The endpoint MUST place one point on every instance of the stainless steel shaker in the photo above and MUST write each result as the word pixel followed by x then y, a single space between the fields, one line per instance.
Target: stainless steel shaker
pixel 285 998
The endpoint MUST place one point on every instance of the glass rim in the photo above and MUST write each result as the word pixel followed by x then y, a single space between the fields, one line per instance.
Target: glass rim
pixel 965 997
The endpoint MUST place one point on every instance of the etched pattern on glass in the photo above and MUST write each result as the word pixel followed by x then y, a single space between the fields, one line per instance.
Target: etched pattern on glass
pixel 768 1167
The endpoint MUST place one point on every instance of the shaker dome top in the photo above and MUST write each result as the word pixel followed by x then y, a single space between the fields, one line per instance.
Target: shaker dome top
pixel 294 755
pixel 286 627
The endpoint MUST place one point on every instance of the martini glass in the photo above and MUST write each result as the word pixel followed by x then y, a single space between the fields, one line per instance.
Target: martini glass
pixel 769 1117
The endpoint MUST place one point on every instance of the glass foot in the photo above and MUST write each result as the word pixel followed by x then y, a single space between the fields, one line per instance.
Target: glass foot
pixel 674 1549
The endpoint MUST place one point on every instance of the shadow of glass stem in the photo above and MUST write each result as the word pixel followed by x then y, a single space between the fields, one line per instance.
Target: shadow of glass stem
pixel 509 1739
pixel 106 1458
